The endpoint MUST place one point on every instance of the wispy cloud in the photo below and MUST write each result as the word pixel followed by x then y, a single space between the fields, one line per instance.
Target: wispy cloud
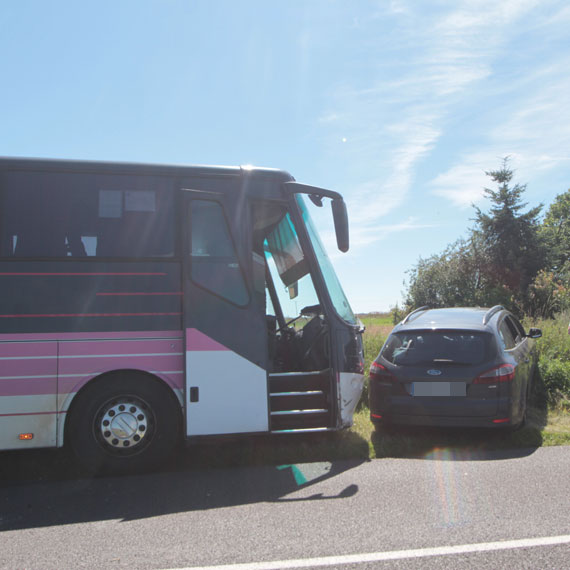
pixel 434 97
pixel 535 134
pixel 376 198
pixel 362 236
pixel 539 126
pixel 366 235
pixel 397 119
pixel 463 184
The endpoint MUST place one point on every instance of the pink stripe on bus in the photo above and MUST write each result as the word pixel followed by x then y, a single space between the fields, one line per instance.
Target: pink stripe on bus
pixel 88 366
pixel 196 340
pixel 27 349
pixel 36 274
pixel 26 367
pixel 120 347
pixel 81 360
pixel 72 384
pixel 37 316
pixel 52 386
pixel 105 335
pixel 28 387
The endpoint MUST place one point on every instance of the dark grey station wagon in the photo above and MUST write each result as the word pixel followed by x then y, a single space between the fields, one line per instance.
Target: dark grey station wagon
pixel 458 366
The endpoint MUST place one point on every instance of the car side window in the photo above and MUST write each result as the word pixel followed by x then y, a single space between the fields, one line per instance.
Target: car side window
pixel 506 335
pixel 520 328
pixel 516 329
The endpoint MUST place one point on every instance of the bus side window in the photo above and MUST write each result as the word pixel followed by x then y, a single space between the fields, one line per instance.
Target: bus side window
pixel 214 263
pixel 136 222
pixel 43 215
pixel 62 214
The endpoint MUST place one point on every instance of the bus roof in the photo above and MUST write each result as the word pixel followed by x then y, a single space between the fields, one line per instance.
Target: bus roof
pixel 48 164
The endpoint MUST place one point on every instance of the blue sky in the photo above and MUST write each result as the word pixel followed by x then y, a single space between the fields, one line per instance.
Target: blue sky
pixel 400 106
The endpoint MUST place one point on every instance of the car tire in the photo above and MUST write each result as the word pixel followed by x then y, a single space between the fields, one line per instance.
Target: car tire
pixel 522 422
pixel 525 402
pixel 384 427
pixel 123 422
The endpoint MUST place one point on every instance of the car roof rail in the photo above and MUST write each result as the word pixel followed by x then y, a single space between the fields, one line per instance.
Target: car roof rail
pixel 491 312
pixel 424 308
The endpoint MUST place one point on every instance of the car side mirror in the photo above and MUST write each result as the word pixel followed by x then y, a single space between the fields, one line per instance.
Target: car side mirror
pixel 534 333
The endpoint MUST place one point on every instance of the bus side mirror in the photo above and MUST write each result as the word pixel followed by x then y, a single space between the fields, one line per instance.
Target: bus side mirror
pixel 340 217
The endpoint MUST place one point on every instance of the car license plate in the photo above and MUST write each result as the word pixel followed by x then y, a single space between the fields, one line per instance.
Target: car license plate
pixel 438 389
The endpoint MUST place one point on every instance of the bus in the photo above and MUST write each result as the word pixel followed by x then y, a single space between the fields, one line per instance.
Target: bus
pixel 144 304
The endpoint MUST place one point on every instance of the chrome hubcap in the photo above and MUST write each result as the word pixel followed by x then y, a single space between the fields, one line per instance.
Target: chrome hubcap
pixel 124 424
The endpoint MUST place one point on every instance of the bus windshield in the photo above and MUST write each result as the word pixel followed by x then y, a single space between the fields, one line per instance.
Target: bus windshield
pixel 289 271
pixel 338 298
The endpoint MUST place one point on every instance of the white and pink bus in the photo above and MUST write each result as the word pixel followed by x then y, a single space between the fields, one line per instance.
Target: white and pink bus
pixel 143 304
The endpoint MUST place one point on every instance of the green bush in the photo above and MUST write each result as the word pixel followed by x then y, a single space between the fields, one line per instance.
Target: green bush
pixel 555 341
pixel 377 329
pixel 554 358
pixel 555 375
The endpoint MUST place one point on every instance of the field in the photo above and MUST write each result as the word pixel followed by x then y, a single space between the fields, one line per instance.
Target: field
pixel 378 327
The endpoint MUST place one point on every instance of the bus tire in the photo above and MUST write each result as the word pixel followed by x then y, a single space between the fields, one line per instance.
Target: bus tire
pixel 123 422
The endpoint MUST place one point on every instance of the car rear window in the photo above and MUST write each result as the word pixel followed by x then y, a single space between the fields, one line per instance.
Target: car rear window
pixel 417 347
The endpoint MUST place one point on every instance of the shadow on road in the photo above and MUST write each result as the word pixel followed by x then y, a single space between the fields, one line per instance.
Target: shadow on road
pixel 461 444
pixel 466 444
pixel 41 488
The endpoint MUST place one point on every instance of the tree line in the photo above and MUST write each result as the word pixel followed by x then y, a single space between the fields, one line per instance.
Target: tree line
pixel 512 256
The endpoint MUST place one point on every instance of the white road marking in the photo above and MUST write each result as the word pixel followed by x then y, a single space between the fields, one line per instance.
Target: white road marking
pixel 392 555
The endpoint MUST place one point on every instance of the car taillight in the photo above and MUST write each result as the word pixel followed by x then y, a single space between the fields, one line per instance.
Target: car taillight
pixel 502 373
pixel 380 372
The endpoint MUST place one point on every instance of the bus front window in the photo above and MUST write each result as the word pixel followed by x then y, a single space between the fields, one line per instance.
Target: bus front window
pixel 338 298
pixel 300 332
pixel 289 269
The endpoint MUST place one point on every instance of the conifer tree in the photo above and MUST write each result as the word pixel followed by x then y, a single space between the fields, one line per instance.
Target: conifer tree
pixel 512 249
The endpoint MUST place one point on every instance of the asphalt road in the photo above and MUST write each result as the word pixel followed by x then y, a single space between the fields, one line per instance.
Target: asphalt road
pixel 387 513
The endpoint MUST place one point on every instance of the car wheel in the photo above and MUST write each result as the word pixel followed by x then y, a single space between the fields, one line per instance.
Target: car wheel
pixel 384 427
pixel 123 422
pixel 522 422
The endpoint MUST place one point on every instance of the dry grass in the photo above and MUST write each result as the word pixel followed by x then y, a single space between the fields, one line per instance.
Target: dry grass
pixel 378 330
pixel 557 430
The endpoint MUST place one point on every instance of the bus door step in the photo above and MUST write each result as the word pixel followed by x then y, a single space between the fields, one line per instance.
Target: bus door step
pixel 300 400
pixel 303 430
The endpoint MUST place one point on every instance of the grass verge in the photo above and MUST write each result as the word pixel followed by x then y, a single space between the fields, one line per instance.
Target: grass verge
pixel 541 430
pixel 362 442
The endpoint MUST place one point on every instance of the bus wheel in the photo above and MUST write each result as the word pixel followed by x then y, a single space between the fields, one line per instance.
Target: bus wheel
pixel 122 423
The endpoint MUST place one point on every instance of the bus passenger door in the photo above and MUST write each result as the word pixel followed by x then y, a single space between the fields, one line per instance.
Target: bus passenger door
pixel 225 332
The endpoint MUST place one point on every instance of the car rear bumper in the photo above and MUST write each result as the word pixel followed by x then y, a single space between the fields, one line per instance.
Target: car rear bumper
pixel 440 421
pixel 441 411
